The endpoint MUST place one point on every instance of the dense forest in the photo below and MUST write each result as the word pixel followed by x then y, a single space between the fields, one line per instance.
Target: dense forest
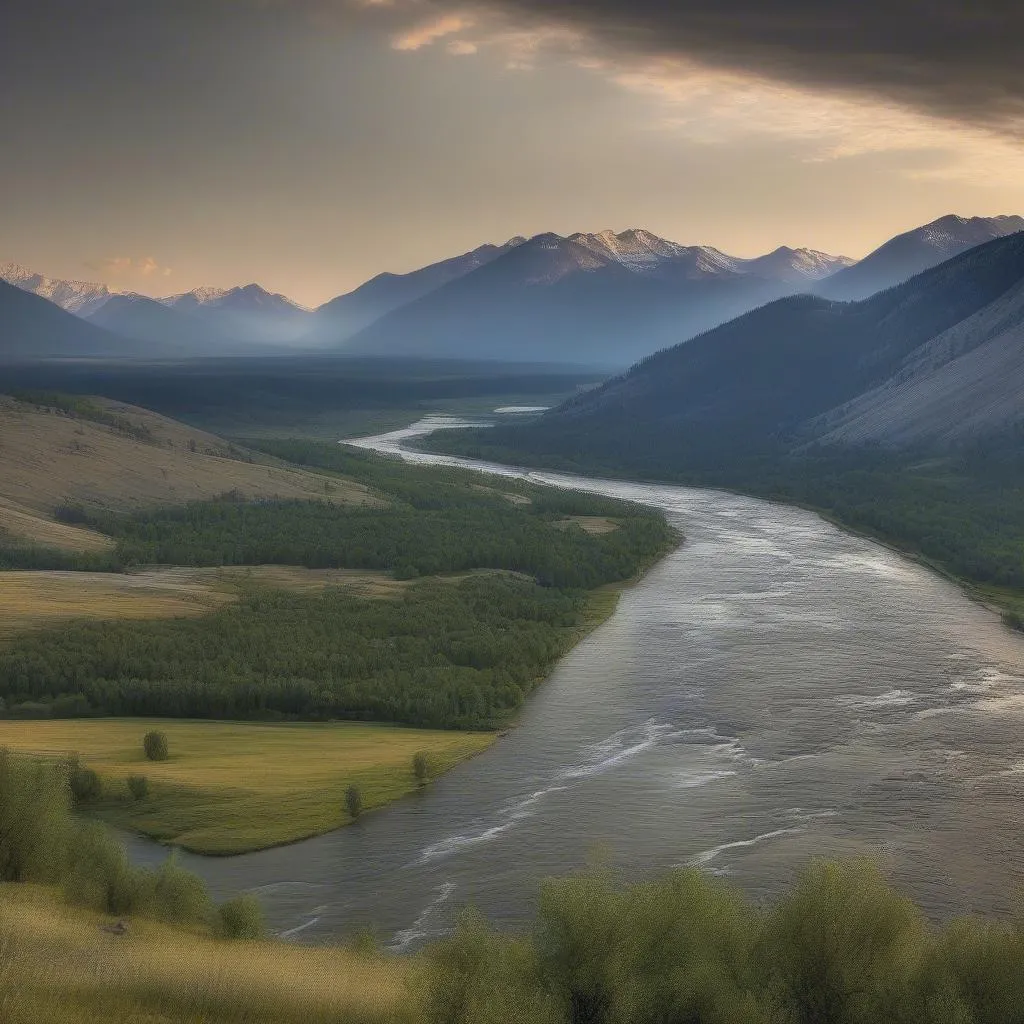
pixel 251 395
pixel 448 653
pixel 430 521
pixel 963 509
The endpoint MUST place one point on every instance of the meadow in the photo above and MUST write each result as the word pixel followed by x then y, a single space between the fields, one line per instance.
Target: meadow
pixel 232 787
pixel 59 965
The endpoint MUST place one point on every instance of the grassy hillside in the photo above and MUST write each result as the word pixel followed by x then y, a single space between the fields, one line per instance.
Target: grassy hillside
pixel 103 454
pixel 839 947
pixel 36 599
pixel 231 787
pixel 61 967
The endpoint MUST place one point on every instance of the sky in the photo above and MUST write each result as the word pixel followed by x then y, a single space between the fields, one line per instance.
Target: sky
pixel 310 144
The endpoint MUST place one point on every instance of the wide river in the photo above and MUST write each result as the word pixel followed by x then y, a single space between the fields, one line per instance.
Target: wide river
pixel 773 690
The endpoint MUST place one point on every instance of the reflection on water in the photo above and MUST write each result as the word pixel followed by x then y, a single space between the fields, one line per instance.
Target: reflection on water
pixel 771 691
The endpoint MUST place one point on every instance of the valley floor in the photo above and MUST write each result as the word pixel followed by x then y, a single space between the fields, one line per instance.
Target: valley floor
pixel 234 787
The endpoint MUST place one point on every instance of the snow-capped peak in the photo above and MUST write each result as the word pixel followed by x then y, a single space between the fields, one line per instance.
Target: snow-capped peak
pixel 80 297
pixel 796 265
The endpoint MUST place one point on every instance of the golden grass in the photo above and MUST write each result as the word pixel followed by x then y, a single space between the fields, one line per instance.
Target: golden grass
pixel 33 599
pixel 58 966
pixel 30 600
pixel 230 787
pixel 30 527
pixel 47 459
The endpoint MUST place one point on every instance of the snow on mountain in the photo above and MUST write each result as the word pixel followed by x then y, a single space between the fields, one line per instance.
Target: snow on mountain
pixel 643 252
pixel 243 298
pixel 914 251
pixel 79 297
pixel 796 265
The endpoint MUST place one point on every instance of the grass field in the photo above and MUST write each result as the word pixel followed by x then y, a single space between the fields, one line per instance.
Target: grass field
pixel 58 966
pixel 49 458
pixel 27 527
pixel 30 600
pixel 233 787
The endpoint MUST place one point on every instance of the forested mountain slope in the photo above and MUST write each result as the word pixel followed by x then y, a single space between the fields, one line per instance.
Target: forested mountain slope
pixel 775 371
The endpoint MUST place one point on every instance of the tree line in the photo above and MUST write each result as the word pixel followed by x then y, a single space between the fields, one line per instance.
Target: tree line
pixel 446 654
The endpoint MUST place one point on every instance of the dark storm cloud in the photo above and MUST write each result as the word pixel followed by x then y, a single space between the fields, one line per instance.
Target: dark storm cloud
pixel 960 59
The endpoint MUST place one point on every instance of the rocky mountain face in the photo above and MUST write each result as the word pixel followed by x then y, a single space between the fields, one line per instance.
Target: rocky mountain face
pixel 79 297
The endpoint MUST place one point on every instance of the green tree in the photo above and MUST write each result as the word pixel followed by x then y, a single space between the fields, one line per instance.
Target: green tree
pixel 138 786
pixel 155 745
pixel 84 783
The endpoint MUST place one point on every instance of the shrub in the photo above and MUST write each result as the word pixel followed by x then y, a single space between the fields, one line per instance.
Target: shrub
pixel 179 896
pixel 838 948
pixel 99 875
pixel 353 801
pixel 240 918
pixel 138 786
pixel 421 768
pixel 34 819
pixel 84 783
pixel 478 976
pixel 155 745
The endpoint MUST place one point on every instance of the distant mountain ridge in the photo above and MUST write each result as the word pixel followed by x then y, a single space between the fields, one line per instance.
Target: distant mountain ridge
pixel 347 314
pixel 603 299
pixel 600 299
pixel 908 254
pixel 937 359
pixel 79 297
pixel 32 327
pixel 245 313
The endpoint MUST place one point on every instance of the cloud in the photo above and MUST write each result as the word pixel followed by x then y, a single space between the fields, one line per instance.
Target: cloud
pixel 430 31
pixel 955 59
pixel 941 78
pixel 129 267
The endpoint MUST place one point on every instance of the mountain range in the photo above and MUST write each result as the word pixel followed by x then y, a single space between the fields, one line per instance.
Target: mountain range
pixel 32 327
pixel 936 360
pixel 908 254
pixel 598 299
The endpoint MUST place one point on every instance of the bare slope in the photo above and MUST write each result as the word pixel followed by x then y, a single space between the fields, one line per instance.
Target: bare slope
pixel 967 381
pixel 49 458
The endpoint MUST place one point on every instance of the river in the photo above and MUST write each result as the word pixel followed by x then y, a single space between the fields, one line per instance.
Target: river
pixel 773 690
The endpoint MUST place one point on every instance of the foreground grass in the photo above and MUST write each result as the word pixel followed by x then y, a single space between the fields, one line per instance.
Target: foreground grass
pixel 232 787
pixel 58 965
